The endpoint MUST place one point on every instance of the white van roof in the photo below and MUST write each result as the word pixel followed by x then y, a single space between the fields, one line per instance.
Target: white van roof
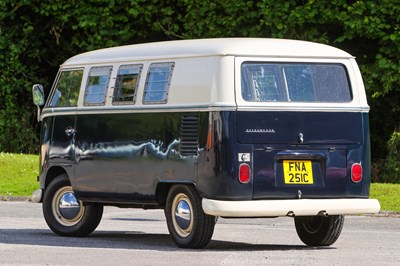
pixel 259 47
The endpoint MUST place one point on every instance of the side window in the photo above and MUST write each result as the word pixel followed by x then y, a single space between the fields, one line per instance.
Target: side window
pixel 67 88
pixel 126 84
pixel 157 83
pixel 95 92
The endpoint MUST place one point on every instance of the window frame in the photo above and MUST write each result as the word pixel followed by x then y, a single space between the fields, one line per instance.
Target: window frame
pixel 56 82
pixel 136 87
pixel 167 85
pixel 297 63
pixel 110 67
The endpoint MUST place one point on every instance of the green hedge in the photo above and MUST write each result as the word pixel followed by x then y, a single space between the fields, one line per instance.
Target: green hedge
pixel 391 170
pixel 37 36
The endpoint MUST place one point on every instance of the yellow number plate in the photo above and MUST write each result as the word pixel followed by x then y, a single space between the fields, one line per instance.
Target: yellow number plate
pixel 298 172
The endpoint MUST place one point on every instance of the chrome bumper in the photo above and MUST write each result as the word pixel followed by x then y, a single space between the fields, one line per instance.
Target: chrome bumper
pixel 37 196
pixel 298 207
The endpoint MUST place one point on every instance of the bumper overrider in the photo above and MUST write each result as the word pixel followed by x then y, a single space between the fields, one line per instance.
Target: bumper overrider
pixel 295 207
pixel 37 196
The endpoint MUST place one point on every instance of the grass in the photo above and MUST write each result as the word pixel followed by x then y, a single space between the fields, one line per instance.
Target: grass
pixel 388 196
pixel 18 174
pixel 18 178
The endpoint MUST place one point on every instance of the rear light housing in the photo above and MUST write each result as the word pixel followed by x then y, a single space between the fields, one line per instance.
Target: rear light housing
pixel 356 173
pixel 244 173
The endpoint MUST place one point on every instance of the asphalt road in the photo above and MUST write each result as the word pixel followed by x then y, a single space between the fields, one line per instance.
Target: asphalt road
pixel 138 237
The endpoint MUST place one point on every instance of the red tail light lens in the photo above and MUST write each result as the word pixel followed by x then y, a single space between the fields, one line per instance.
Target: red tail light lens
pixel 244 173
pixel 356 173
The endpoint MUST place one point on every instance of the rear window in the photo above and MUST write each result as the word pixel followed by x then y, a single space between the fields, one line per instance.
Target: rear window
pixel 294 82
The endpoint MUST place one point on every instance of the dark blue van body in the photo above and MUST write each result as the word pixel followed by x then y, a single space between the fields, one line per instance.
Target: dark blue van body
pixel 207 128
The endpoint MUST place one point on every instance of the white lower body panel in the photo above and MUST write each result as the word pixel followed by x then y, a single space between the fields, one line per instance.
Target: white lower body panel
pixel 295 207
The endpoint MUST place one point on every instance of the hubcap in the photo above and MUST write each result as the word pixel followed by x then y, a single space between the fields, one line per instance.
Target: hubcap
pixel 68 206
pixel 182 215
pixel 67 209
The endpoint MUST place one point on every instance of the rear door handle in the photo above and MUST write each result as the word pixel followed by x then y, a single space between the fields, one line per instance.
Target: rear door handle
pixel 70 131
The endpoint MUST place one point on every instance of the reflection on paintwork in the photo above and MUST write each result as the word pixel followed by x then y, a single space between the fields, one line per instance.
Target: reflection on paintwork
pixel 152 148
pixel 44 149
pixel 61 152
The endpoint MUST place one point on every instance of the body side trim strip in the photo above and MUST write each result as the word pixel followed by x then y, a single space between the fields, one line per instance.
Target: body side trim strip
pixel 196 108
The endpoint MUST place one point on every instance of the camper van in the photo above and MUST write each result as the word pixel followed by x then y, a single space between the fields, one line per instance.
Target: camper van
pixel 235 127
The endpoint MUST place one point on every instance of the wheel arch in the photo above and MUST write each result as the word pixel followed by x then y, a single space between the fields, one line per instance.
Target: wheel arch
pixel 163 188
pixel 52 173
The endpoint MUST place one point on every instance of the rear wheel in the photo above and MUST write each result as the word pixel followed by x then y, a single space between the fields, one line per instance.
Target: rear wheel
pixel 319 230
pixel 65 214
pixel 188 225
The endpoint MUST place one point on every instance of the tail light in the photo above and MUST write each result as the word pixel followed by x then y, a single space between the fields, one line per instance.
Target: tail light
pixel 356 173
pixel 244 173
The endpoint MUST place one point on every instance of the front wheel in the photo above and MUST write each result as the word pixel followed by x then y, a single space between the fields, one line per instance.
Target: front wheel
pixel 319 230
pixel 188 225
pixel 65 214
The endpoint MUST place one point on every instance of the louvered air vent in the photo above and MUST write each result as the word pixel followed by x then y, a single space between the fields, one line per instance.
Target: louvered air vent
pixel 189 134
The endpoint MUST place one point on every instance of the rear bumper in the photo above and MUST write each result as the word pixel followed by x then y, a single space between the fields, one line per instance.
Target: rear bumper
pixel 298 207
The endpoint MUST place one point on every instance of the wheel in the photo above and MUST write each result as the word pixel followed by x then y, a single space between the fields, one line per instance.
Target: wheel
pixel 188 225
pixel 65 214
pixel 319 230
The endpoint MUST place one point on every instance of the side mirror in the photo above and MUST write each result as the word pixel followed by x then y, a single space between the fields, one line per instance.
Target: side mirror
pixel 38 95
pixel 38 98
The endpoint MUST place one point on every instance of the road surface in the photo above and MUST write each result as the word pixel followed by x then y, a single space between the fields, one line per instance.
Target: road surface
pixel 139 237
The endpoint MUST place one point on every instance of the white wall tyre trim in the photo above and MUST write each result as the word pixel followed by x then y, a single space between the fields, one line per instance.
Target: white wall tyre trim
pixel 67 210
pixel 182 213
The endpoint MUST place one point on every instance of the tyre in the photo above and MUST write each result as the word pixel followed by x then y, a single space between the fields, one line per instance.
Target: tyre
pixel 65 214
pixel 188 225
pixel 319 230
